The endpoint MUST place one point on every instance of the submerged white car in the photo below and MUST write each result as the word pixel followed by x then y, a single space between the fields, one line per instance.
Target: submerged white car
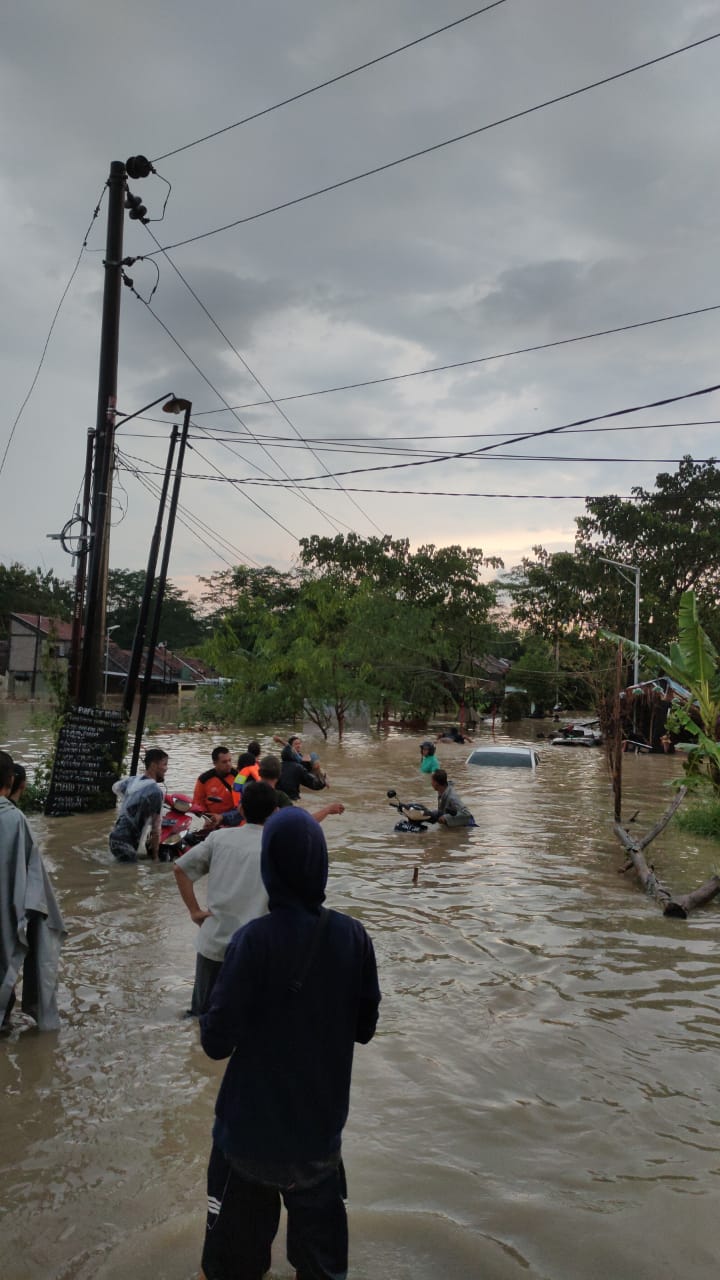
pixel 510 757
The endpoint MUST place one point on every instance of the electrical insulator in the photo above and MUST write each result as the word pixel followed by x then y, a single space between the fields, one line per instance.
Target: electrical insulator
pixel 138 212
pixel 138 167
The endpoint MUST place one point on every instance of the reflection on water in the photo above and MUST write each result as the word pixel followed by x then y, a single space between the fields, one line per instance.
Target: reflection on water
pixel 542 1097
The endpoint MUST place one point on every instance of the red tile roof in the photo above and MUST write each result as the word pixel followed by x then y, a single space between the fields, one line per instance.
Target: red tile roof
pixel 35 621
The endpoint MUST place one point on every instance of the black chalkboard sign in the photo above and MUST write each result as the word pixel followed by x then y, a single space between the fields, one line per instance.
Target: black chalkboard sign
pixel 88 759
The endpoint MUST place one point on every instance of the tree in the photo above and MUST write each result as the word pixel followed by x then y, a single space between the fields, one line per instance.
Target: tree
pixel 180 626
pixel 244 599
pixel 426 613
pixel 312 652
pixel 364 621
pixel 672 535
pixel 32 591
pixel 563 593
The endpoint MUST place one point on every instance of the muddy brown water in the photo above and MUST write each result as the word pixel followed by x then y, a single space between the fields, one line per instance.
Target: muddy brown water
pixel 540 1102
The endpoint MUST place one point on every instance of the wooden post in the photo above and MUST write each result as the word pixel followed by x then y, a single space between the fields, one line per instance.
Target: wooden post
pixel 617 737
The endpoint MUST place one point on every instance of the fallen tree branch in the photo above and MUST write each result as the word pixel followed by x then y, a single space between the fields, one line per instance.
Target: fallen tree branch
pixel 683 905
pixel 661 825
pixel 649 880
pixel 679 905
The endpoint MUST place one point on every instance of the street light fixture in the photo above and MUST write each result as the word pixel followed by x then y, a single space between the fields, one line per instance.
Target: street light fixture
pixel 631 568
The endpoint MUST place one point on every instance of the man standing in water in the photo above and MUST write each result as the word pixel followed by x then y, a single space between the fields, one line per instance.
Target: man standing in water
pixel 297 989
pixel 214 789
pixel 142 803
pixel 235 890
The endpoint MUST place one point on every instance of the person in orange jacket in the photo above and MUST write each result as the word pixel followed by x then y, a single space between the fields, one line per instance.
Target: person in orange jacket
pixel 213 792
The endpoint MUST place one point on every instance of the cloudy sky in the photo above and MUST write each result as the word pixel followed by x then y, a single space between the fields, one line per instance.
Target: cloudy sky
pixel 593 213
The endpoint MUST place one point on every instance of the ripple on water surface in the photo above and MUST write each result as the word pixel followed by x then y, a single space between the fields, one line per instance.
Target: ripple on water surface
pixel 546 1056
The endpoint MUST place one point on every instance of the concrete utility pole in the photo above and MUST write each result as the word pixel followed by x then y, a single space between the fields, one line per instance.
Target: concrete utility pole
pixel 90 681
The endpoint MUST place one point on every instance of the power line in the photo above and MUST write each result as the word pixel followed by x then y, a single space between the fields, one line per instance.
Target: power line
pixel 372 443
pixel 153 490
pixel 344 75
pixel 128 458
pixel 213 388
pixel 125 461
pixel 445 493
pixel 261 385
pixel 493 457
pixel 63 296
pixel 431 493
pixel 464 364
pixel 438 146
pixel 183 511
pixel 529 435
pixel 275 520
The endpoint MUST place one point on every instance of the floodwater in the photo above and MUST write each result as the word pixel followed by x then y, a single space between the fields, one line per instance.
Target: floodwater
pixel 541 1101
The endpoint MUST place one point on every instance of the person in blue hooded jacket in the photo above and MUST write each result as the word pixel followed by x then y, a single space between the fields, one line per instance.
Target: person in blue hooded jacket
pixel 297 989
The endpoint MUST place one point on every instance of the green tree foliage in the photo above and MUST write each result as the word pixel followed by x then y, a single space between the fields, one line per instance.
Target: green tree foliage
pixel 312 651
pixel 673 535
pixel 419 618
pixel 180 626
pixel 32 591
pixel 242 598
pixel 364 621
pixel 574 671
pixel 535 672
pixel 560 594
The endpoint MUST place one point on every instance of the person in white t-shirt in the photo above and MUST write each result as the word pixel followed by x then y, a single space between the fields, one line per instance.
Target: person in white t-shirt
pixel 230 858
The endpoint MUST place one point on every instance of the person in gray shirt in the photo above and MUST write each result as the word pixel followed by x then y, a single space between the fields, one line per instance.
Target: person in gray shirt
pixel 451 812
pixel 230 858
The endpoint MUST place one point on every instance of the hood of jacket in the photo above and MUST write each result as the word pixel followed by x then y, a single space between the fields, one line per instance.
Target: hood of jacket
pixel 294 860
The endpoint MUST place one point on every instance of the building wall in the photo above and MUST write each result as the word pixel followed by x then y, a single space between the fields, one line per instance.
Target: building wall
pixel 28 654
pixel 24 645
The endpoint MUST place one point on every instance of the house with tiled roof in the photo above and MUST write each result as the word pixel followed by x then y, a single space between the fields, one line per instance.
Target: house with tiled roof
pixel 39 644
pixel 36 643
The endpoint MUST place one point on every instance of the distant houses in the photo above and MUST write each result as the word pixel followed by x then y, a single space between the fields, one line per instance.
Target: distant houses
pixel 39 646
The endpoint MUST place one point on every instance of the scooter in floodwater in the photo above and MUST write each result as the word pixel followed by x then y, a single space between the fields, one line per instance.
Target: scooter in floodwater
pixel 182 825
pixel 416 814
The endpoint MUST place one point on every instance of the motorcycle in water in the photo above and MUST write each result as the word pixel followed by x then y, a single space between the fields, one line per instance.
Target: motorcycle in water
pixel 414 816
pixel 182 825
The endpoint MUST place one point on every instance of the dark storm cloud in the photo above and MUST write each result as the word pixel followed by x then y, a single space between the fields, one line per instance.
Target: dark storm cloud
pixel 594 213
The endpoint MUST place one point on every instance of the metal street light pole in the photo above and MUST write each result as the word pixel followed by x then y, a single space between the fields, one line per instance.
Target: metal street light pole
pixel 636 571
pixel 176 405
pixel 173 406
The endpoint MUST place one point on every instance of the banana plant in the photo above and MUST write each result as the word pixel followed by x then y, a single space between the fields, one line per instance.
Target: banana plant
pixel 693 662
